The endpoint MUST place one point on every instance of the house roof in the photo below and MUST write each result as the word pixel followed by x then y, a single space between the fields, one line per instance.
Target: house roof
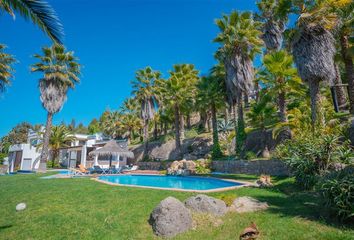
pixel 112 148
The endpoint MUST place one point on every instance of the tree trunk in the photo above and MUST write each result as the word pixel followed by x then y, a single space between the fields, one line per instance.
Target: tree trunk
pixel 208 122
pixel 214 124
pixel 146 138
pixel 188 120
pixel 240 133
pixel 339 90
pixel 226 117
pixel 314 86
pixel 45 150
pixel 177 131
pixel 155 130
pixel 203 120
pixel 349 69
pixel 182 126
pixel 282 107
pixel 165 128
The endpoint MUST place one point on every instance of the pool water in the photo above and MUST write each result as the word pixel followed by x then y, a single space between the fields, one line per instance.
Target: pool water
pixel 176 182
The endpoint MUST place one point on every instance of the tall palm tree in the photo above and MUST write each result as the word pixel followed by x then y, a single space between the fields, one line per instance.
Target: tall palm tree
pixel 143 90
pixel 112 124
pixel 313 48
pixel 274 15
pixel 210 97
pixel 60 137
pixel 176 91
pixel 130 123
pixel 6 71
pixel 60 73
pixel 280 78
pixel 240 39
pixel 39 12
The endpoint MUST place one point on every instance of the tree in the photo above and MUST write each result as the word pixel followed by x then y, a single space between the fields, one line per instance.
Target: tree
pixel 279 77
pixel 261 115
pixel 313 48
pixel 130 123
pixel 143 90
pixel 60 73
pixel 176 91
pixel 240 39
pixel 39 12
pixel 210 97
pixel 111 124
pixel 60 137
pixel 6 70
pixel 94 126
pixel 274 15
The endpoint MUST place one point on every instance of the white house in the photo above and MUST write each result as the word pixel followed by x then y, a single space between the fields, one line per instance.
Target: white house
pixel 26 156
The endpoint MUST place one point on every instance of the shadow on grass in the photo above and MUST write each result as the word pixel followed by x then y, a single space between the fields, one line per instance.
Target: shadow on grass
pixel 297 203
pixel 5 226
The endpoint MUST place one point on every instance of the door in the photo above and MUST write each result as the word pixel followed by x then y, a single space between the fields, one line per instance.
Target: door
pixel 18 158
pixel 27 164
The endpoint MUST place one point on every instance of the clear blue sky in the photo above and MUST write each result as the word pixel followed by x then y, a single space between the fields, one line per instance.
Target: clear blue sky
pixel 113 39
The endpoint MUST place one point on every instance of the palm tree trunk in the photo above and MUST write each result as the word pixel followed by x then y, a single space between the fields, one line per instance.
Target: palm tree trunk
pixel 155 130
pixel 349 69
pixel 226 117
pixel 282 107
pixel 188 120
pixel 203 120
pixel 177 131
pixel 240 133
pixel 146 138
pixel 45 149
pixel 182 126
pixel 214 124
pixel 314 86
pixel 340 93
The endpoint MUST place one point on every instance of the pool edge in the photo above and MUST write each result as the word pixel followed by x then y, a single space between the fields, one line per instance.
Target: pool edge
pixel 244 184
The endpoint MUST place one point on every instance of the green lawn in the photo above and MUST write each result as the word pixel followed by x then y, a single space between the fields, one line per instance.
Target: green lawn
pixel 85 209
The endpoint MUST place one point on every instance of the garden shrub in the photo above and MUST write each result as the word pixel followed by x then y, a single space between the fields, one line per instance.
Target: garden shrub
pixel 216 152
pixel 250 155
pixel 228 198
pixel 338 193
pixel 192 133
pixel 203 167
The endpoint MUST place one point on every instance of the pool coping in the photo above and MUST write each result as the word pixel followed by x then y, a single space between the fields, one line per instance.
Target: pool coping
pixel 244 184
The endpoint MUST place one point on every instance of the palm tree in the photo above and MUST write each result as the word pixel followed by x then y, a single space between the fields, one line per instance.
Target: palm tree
pixel 176 91
pixel 112 124
pixel 279 77
pixel 143 89
pixel 274 15
pixel 240 39
pixel 130 123
pixel 313 48
pixel 61 72
pixel 210 97
pixel 60 137
pixel 260 116
pixel 39 12
pixel 6 71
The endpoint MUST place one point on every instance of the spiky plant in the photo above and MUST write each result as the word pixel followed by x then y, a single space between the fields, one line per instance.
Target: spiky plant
pixel 313 47
pixel 60 73
pixel 6 70
pixel 240 41
pixel 39 12
pixel 143 90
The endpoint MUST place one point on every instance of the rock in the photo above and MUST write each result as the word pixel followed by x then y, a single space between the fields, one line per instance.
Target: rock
pixel 247 204
pixel 170 218
pixel 183 168
pixel 264 181
pixel 205 204
pixel 351 131
pixel 20 206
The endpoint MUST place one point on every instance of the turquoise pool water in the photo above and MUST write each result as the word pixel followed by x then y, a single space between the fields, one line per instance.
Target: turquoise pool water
pixel 186 183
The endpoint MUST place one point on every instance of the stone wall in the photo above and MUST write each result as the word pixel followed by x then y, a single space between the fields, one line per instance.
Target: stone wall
pixel 256 167
pixel 154 165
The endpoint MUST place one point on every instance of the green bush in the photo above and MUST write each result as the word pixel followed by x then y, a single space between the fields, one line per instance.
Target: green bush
pixel 228 198
pixel 250 155
pixel 338 193
pixel 192 133
pixel 216 152
pixel 203 167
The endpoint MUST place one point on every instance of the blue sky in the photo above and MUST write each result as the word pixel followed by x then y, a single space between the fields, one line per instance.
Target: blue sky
pixel 113 39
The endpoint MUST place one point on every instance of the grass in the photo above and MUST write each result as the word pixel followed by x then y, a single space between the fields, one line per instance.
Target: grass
pixel 84 209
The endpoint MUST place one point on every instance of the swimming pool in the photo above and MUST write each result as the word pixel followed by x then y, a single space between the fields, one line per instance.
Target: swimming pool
pixel 171 182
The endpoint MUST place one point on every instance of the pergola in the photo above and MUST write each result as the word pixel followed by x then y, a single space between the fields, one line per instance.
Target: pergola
pixel 110 149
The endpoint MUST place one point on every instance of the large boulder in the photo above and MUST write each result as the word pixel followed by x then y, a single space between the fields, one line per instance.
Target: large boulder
pixel 182 167
pixel 205 204
pixel 247 204
pixel 170 218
